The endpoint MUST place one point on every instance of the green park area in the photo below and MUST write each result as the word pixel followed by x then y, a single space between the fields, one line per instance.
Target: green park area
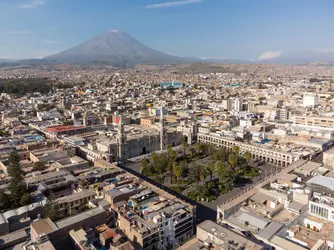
pixel 200 171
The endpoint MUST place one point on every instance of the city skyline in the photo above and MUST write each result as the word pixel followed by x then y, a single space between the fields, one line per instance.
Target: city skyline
pixel 188 28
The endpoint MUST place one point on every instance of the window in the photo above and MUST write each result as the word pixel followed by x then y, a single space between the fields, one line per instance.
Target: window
pixel 319 211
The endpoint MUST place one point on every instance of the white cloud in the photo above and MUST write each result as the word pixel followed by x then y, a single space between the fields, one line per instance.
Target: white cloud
pixel 172 4
pixel 18 32
pixel 32 4
pixel 50 42
pixel 270 54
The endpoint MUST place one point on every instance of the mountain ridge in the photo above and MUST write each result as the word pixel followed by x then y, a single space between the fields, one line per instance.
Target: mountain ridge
pixel 113 47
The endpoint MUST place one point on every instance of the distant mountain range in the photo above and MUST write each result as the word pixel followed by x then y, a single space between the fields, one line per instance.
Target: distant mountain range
pixel 6 60
pixel 119 49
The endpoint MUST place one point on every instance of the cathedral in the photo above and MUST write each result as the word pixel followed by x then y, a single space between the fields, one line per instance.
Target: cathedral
pixel 135 140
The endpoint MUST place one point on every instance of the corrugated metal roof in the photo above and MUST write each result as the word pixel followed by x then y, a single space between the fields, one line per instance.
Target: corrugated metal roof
pixel 323 181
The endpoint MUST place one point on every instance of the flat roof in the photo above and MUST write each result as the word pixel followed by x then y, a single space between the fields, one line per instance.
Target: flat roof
pixel 74 138
pixel 76 196
pixel 225 235
pixel 46 176
pixel 47 245
pixel 307 167
pixel 322 181
pixel 269 231
pixel 253 220
pixel 15 236
pixel 44 226
pixel 286 244
pixel 57 129
pixel 79 217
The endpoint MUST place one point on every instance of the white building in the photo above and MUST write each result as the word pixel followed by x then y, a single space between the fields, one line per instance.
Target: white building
pixel 310 99
pixel 321 204
pixel 52 114
pixel 234 104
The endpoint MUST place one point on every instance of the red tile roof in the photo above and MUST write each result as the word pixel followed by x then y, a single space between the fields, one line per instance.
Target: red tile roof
pixel 57 129
pixel 109 234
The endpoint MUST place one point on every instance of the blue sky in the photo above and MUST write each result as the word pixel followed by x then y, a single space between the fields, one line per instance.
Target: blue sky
pixel 246 29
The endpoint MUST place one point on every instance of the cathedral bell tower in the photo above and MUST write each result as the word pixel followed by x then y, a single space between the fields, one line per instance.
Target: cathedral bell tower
pixel 163 130
pixel 120 139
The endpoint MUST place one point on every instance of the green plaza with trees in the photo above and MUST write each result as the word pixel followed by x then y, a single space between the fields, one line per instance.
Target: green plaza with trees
pixel 200 171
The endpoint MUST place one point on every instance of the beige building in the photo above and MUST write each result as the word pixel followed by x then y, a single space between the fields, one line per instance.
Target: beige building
pixel 210 232
pixel 261 153
pixel 328 158
pixel 316 121
pixel 75 202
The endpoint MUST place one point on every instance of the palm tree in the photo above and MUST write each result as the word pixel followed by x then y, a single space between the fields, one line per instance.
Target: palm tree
pixel 221 170
pixel 203 174
pixel 178 172
pixel 232 159
pixel 171 153
pixel 211 169
pixel 247 156
pixel 236 150
pixel 154 157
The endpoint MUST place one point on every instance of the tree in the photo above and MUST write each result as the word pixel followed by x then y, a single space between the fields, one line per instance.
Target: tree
pixel 171 158
pixel 144 165
pixel 17 185
pixel 226 177
pixel 178 171
pixel 191 153
pixel 198 148
pixel 236 150
pixel 219 154
pixel 153 157
pixel 39 166
pixel 184 164
pixel 18 189
pixel 247 156
pixel 211 169
pixel 203 174
pixel 184 146
pixel 51 210
pixel 4 200
pixel 13 168
pixel 221 170
pixel 161 164
pixel 171 153
pixel 25 199
pixel 232 159
pixel 13 158
pixel 194 174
